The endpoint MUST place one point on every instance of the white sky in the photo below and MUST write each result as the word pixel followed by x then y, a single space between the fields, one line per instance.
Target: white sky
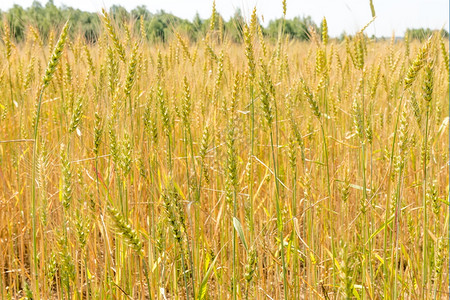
pixel 342 15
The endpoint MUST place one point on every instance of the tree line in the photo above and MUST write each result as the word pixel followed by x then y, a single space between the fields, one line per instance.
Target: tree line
pixel 159 26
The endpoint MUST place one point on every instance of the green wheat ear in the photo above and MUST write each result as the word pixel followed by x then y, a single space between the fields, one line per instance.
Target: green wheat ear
pixel 7 40
pixel 123 227
pixel 57 52
pixel 324 31
pixel 113 35
pixel 131 75
pixel 418 63
pixel 212 24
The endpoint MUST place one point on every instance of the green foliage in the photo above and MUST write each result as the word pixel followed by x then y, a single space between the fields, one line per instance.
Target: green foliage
pixel 159 26
pixel 423 33
pixel 44 18
pixel 297 28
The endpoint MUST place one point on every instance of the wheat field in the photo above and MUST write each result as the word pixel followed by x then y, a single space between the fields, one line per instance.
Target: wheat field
pixel 216 170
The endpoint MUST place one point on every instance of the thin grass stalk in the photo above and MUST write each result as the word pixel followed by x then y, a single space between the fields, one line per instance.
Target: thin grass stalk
pixel 191 259
pixel 33 195
pixel 425 208
pixel 330 202
pixel 231 198
pixel 293 163
pixel 388 202
pixel 279 217
pixel 395 245
pixel 187 141
pixel 51 68
pixel 367 253
pixel 251 69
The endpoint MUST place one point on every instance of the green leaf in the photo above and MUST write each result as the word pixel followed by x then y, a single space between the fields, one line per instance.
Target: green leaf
pixel 240 231
pixel 204 284
pixel 380 229
pixel 359 187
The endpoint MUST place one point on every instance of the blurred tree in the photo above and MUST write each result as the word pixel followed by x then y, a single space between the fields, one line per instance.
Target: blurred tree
pixel 159 26
pixel 424 33
pixel 235 26
pixel 16 18
pixel 297 28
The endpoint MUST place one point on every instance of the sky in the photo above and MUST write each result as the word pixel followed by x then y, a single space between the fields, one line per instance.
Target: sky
pixel 342 15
